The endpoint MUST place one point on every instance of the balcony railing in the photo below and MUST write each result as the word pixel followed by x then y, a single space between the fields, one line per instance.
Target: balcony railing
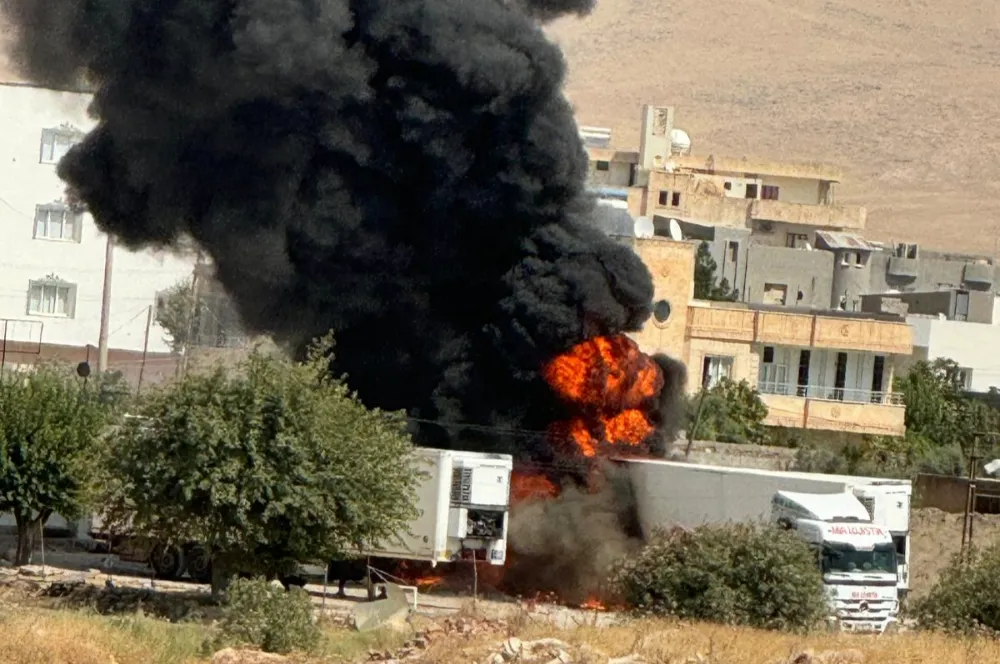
pixel 830 393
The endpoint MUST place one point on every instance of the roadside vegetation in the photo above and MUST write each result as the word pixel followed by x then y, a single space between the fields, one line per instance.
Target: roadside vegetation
pixel 754 575
pixel 266 464
pixel 965 597
pixel 32 636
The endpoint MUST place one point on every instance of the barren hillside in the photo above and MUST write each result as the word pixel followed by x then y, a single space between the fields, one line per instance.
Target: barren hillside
pixel 904 94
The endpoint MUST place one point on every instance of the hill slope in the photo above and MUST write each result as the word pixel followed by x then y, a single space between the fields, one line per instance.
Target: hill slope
pixel 904 94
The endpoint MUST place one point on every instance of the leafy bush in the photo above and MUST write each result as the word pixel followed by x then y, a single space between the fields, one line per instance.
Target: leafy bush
pixel 966 596
pixel 731 413
pixel 746 574
pixel 267 617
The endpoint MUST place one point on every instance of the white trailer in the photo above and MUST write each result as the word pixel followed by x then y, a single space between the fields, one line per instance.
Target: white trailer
pixel 673 493
pixel 462 499
pixel 464 503
pixel 690 494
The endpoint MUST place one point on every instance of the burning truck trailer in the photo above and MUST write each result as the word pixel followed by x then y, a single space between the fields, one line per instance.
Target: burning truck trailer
pixel 408 174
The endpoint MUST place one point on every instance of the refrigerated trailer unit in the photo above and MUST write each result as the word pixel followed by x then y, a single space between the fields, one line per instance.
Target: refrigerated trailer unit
pixel 464 503
pixel 462 500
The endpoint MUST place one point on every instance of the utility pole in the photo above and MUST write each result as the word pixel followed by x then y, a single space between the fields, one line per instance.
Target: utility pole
pixel 102 340
pixel 192 315
pixel 970 497
pixel 145 349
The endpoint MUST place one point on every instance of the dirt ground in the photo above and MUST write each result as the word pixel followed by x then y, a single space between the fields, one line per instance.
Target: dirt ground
pixel 937 536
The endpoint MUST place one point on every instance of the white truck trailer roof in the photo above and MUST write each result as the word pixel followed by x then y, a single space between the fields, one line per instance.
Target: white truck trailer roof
pixel 825 506
pixel 686 494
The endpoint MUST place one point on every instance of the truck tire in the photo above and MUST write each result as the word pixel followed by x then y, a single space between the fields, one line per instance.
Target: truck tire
pixel 167 561
pixel 198 563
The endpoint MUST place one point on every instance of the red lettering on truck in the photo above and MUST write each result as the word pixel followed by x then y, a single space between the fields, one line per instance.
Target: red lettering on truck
pixel 856 530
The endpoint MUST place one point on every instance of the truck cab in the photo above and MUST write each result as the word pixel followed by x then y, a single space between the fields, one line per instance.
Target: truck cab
pixel 857 558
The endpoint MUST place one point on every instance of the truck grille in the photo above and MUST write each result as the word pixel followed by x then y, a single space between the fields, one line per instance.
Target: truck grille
pixel 864 609
pixel 461 487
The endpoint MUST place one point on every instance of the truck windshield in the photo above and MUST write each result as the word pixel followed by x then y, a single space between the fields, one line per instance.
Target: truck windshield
pixel 844 558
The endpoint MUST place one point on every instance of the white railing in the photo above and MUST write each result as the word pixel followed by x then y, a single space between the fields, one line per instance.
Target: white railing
pixel 830 393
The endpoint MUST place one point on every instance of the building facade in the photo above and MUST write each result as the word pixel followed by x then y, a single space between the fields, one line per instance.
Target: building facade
pixel 52 260
pixel 815 369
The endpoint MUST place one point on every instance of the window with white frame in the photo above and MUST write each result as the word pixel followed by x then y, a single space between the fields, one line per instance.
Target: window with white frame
pixel 56 143
pixel 57 222
pixel 774 370
pixel 714 368
pixel 51 297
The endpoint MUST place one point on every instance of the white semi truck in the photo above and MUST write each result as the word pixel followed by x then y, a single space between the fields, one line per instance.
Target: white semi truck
pixel 463 500
pixel 858 526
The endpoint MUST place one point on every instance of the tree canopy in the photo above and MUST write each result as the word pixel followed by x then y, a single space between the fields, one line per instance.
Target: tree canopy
pixel 705 286
pixel 272 462
pixel 51 426
pixel 178 313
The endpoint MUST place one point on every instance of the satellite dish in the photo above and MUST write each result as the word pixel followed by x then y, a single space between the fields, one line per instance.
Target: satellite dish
pixel 680 142
pixel 675 231
pixel 644 227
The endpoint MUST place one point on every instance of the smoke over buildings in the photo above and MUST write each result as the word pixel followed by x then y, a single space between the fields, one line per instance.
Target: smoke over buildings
pixel 405 172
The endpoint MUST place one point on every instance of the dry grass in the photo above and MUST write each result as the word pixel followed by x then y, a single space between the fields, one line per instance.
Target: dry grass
pixel 902 93
pixel 675 643
pixel 36 637
pixel 55 637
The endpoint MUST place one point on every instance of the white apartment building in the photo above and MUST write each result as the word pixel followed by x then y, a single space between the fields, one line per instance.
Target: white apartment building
pixel 52 259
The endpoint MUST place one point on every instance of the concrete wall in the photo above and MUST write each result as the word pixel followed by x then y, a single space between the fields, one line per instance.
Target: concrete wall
pixel 808 272
pixel 672 267
pixel 950 494
pixel 930 273
pixel 982 304
pixel 795 190
pixel 26 181
pixel 851 279
pixel 618 174
pixel 969 344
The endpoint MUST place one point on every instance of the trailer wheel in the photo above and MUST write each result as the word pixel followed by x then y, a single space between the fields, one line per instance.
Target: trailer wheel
pixel 167 561
pixel 199 563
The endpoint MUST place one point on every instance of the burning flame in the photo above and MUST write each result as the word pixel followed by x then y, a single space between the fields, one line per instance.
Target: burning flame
pixel 610 381
pixel 594 604
pixel 525 487
pixel 610 386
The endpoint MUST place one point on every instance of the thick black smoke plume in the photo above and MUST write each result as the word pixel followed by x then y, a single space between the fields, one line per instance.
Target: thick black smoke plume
pixel 568 544
pixel 405 172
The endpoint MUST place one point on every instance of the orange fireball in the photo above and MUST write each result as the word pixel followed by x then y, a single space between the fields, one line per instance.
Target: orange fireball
pixel 610 382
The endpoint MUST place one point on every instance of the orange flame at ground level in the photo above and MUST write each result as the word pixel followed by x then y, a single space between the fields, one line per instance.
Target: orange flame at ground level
pixel 594 604
pixel 529 486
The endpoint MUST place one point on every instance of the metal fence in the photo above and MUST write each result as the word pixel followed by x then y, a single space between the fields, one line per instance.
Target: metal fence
pixel 831 393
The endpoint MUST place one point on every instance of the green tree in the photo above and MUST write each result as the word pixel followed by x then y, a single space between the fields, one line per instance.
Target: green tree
pixel 705 286
pixel 742 573
pixel 941 420
pixel 178 313
pixel 272 463
pixel 731 412
pixel 51 426
pixel 965 597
